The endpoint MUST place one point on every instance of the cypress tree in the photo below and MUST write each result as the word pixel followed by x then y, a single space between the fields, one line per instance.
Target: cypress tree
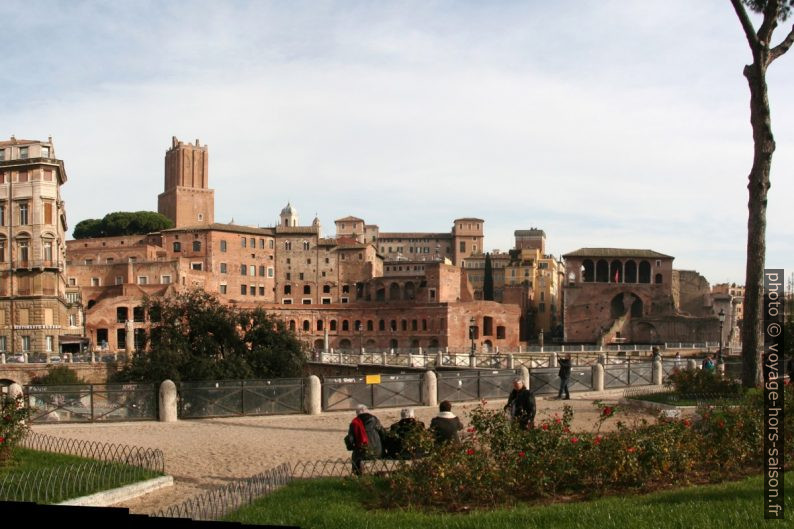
pixel 487 287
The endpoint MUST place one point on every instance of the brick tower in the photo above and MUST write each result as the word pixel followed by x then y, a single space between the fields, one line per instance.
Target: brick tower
pixel 187 199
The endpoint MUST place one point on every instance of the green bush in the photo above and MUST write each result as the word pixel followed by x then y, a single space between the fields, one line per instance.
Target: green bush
pixel 14 418
pixel 58 375
pixel 497 463
pixel 702 382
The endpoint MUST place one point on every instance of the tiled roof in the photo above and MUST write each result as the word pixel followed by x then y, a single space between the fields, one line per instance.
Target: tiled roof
pixel 348 219
pixel 216 226
pixel 617 252
pixel 297 230
pixel 416 235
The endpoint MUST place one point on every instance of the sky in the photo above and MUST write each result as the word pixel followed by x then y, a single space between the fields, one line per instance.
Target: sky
pixel 605 123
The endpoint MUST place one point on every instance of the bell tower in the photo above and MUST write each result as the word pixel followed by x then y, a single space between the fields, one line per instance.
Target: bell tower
pixel 187 199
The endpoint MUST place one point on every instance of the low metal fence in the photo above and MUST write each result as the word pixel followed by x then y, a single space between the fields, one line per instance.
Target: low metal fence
pixel 459 386
pixel 217 503
pixel 374 391
pixel 235 398
pixel 148 458
pixel 92 402
pixel 547 380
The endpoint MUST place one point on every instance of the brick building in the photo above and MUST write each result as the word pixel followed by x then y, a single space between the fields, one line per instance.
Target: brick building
pixel 335 289
pixel 614 295
pixel 33 305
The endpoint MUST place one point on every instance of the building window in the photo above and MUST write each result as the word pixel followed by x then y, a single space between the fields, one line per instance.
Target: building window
pixel 165 280
pixel 261 244
pixel 119 280
pixel 23 152
pixel 252 270
pixel 326 301
pixel 223 246
pixel 300 276
pixel 72 320
pixel 243 241
pixel 23 213
pixel 270 271
pixel 143 280
pixel 307 301
pixel 48 341
pixel 252 290
pixel 196 246
pixel 2 214
pixel 177 246
pixel 223 289
pixel 223 268
pixel 261 291
pixel 287 289
pixel 197 266
pixel 262 270
pixel 243 289
pixel 26 343
pixel 271 244
pixel 307 289
pixel 24 250
pixel 305 245
pixel 47 251
pixel 243 270
pixel 253 243
pixel 286 301
pixel 288 245
pixel 345 300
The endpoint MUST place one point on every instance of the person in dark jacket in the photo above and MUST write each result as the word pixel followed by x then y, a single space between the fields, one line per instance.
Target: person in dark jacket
pixel 401 435
pixel 364 437
pixel 565 377
pixel 446 426
pixel 521 404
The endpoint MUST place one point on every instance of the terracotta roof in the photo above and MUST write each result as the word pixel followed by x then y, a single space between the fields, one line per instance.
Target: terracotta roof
pixel 415 235
pixel 525 233
pixel 617 252
pixel 470 218
pixel 217 226
pixel 326 242
pixel 347 219
pixel 18 141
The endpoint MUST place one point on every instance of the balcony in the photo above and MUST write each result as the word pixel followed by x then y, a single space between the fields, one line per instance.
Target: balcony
pixel 48 264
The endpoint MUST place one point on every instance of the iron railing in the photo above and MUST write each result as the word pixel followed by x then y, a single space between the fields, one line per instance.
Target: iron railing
pixel 235 398
pixel 92 402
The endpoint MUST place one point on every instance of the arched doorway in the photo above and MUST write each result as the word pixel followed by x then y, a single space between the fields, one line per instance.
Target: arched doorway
pixel 602 271
pixel 344 344
pixel 394 292
pixel 588 271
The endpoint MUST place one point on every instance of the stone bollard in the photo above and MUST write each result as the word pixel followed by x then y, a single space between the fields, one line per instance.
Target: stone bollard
pixel 721 369
pixel 429 389
pixel 657 372
pixel 168 401
pixel 511 361
pixel 439 359
pixel 598 377
pixel 602 359
pixel 553 360
pixel 15 390
pixel 472 361
pixel 691 364
pixel 383 358
pixel 525 376
pixel 314 394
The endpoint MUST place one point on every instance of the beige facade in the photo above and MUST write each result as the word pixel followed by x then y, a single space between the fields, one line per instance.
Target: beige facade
pixel 33 305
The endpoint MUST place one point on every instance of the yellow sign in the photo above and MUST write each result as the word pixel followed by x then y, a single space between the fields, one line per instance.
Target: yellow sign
pixel 373 379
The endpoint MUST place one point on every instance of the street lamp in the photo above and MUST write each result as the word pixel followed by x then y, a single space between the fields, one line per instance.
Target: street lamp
pixel 721 316
pixel 472 327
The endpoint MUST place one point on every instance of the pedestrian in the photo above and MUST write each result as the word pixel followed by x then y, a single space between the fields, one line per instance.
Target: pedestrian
pixel 364 438
pixel 403 435
pixel 445 426
pixel 677 362
pixel 521 405
pixel 565 377
pixel 708 364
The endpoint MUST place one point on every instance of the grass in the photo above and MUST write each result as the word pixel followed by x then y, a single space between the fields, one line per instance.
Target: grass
pixel 16 484
pixel 683 400
pixel 339 503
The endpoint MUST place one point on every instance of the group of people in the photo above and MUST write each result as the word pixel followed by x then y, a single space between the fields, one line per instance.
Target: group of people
pixel 367 439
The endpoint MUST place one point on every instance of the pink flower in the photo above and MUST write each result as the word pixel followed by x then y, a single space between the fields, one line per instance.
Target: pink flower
pixel 2 440
pixel 607 411
pixel 545 426
pixel 687 423
pixel 470 430
pixel 574 440
pixel 631 450
pixel 721 423
pixel 557 420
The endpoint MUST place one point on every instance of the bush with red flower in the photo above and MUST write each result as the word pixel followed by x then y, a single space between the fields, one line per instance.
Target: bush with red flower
pixel 13 426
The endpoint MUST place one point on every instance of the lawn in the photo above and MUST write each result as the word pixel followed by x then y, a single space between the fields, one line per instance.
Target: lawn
pixel 67 476
pixel 339 503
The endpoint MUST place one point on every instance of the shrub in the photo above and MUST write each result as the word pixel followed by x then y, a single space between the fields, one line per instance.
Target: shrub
pixel 13 426
pixel 702 382
pixel 58 375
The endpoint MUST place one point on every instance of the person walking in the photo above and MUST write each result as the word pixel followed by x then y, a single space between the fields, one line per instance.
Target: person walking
pixel 521 405
pixel 565 377
pixel 708 364
pixel 445 426
pixel 364 437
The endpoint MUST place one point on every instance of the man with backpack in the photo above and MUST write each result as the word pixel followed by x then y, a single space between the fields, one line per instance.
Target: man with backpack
pixel 364 438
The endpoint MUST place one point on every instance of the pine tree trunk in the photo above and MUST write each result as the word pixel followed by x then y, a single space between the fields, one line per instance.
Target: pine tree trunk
pixel 758 186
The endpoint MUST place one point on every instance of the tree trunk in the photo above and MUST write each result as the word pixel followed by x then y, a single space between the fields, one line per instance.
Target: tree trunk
pixel 758 186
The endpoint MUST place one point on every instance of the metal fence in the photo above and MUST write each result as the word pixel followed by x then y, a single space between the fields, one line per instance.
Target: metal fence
pixel 217 503
pixel 375 391
pixel 147 458
pixel 92 402
pixel 547 380
pixel 458 386
pixel 628 374
pixel 234 398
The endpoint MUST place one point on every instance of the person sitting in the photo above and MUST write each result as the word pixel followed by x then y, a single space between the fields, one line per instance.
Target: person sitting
pixel 446 425
pixel 364 438
pixel 402 436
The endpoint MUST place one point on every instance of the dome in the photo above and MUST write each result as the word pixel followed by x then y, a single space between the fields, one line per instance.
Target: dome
pixel 316 221
pixel 289 210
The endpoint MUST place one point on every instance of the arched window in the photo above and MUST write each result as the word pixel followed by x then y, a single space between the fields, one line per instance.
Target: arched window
pixel 645 272
pixel 393 325
pixel 326 289
pixel 602 271
pixel 319 325
pixel 409 293
pixel 344 344
pixel 345 325
pixel 307 289
pixel 616 272
pixel 23 250
pixel 658 279
pixel 394 292
pixel 631 272
pixel 370 325
pixel 333 325
pixel 306 325
pixel 588 271
pixel 381 325
pixel 177 246
pixel 292 325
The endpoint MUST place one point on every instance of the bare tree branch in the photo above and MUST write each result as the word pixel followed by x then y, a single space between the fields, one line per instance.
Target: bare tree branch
pixel 783 47
pixel 747 25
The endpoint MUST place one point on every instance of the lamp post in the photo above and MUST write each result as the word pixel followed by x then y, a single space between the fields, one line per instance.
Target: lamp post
pixel 721 316
pixel 472 327
pixel 360 339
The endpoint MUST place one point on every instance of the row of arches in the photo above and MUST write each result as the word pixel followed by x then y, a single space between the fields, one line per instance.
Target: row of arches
pixel 394 343
pixel 368 326
pixel 618 271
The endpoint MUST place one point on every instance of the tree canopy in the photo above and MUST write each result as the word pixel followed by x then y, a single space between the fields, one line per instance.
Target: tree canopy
pixel 122 223
pixel 195 337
